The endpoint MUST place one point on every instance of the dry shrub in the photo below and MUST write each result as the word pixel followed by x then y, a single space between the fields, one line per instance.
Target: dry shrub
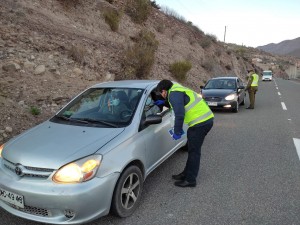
pixel 208 65
pixel 175 34
pixel 154 4
pixel 69 3
pixel 218 52
pixel 138 10
pixel 78 53
pixel 212 37
pixel 228 67
pixel 160 26
pixel 139 58
pixel 112 18
pixel 205 42
pixel 179 69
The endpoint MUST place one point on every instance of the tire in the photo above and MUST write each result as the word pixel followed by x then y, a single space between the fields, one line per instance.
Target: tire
pixel 236 109
pixel 127 193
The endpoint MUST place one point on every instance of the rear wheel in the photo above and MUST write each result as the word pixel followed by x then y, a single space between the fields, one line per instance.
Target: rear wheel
pixel 127 192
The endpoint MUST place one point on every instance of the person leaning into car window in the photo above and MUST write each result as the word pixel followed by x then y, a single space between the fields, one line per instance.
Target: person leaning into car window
pixel 191 109
pixel 252 87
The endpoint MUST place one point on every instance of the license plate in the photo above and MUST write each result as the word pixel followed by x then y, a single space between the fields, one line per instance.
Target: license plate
pixel 12 198
pixel 212 103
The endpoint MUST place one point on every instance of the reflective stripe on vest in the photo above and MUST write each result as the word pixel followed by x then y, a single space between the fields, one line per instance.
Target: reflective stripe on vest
pixel 195 121
pixel 255 80
pixel 196 111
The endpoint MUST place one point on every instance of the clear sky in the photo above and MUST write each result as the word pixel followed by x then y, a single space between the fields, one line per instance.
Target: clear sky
pixel 248 22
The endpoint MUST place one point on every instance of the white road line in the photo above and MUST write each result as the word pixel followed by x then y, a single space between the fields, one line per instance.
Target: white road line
pixel 277 88
pixel 283 106
pixel 297 144
pixel 279 93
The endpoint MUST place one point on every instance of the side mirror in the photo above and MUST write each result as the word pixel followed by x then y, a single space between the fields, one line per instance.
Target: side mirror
pixel 152 119
pixel 241 87
pixel 201 87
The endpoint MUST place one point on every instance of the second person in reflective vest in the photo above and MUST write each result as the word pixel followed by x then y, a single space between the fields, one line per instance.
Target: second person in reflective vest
pixel 252 87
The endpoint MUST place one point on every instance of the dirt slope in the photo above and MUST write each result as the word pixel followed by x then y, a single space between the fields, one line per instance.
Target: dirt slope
pixel 37 65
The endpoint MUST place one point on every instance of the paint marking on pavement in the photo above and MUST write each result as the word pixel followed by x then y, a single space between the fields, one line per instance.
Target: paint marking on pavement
pixel 297 144
pixel 279 93
pixel 283 106
pixel 277 88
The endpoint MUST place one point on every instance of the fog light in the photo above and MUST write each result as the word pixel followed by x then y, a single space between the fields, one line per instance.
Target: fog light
pixel 69 213
pixel 227 106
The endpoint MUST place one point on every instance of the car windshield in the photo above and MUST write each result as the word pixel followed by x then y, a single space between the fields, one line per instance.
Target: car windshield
pixel 267 73
pixel 105 107
pixel 221 84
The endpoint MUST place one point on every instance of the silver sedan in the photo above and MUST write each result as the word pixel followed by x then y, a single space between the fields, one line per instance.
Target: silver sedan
pixel 91 158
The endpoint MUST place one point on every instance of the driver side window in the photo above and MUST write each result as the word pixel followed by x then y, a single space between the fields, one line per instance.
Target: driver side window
pixel 150 108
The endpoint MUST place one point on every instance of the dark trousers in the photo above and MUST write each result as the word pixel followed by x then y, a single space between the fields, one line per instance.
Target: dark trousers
pixel 252 91
pixel 195 136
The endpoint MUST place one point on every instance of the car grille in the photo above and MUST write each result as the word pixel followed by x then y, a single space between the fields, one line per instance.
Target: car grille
pixel 32 210
pixel 213 99
pixel 29 171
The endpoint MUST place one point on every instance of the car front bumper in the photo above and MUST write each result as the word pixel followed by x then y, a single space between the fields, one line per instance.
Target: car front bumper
pixel 49 202
pixel 222 104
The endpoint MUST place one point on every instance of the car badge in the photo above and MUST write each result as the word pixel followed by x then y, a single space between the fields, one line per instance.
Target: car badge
pixel 19 171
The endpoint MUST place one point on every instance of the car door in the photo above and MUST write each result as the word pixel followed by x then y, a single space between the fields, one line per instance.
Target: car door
pixel 158 141
pixel 240 91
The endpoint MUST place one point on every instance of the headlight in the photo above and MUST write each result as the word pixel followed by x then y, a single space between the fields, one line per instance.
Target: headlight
pixel 78 171
pixel 1 148
pixel 230 97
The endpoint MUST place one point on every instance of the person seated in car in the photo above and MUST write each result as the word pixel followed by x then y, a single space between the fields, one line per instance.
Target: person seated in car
pixel 231 84
pixel 116 105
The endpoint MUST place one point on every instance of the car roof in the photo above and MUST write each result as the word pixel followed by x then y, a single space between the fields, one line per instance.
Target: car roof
pixel 217 78
pixel 128 84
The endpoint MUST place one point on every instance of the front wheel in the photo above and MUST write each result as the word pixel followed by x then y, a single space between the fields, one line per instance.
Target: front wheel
pixel 236 109
pixel 127 193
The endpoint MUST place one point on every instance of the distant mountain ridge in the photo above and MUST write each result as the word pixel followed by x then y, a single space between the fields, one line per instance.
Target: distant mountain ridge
pixel 287 47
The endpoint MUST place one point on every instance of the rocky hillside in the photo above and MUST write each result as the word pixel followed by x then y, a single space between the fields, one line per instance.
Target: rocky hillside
pixel 287 47
pixel 50 50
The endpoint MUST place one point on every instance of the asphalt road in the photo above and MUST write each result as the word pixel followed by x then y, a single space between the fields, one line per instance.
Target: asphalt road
pixel 250 170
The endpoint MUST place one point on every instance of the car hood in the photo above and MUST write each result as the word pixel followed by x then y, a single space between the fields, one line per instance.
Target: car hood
pixel 216 92
pixel 52 145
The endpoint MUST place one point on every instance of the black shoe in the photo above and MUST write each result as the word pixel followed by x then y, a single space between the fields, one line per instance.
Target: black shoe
pixel 180 176
pixel 184 183
pixel 249 108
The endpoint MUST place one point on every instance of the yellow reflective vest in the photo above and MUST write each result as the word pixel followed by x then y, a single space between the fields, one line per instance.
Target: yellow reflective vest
pixel 196 111
pixel 255 80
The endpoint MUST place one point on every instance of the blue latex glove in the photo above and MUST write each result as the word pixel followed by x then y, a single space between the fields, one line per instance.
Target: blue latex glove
pixel 159 102
pixel 176 136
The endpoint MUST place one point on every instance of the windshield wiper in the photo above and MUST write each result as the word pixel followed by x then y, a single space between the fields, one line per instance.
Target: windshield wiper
pixel 71 119
pixel 89 120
